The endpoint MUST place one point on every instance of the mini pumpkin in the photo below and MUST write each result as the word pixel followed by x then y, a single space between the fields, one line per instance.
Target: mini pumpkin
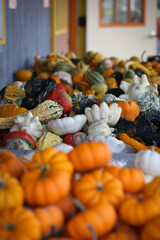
pixel 50 217
pixel 11 164
pixel 19 223
pixel 137 210
pixel 153 187
pixel 9 110
pixel 101 218
pixel 151 229
pixel 133 179
pixel 11 192
pixel 96 187
pixel 23 75
pixel 95 155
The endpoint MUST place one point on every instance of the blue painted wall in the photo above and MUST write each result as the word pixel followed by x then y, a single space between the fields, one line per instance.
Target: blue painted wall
pixel 27 34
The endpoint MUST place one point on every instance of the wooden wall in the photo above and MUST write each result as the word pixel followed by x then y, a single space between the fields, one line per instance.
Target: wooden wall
pixel 27 34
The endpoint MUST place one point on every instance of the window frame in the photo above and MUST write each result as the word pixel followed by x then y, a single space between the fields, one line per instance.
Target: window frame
pixel 128 24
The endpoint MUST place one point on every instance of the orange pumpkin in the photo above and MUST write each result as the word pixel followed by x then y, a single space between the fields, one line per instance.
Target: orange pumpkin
pixel 19 223
pixel 11 192
pixel 151 230
pixel 130 110
pixel 108 72
pixel 58 161
pixel 133 179
pixel 95 155
pixel 121 231
pixel 153 187
pixel 77 77
pixel 50 217
pixel 101 218
pixel 98 186
pixel 137 210
pixel 11 164
pixel 67 206
pixel 45 186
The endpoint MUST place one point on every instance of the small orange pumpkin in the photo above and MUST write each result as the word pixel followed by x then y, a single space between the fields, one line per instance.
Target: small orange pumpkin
pixel 50 218
pixel 151 230
pixel 45 186
pixel 98 186
pixel 11 164
pixel 95 155
pixel 19 223
pixel 153 187
pixel 101 218
pixel 137 210
pixel 11 192
pixel 133 179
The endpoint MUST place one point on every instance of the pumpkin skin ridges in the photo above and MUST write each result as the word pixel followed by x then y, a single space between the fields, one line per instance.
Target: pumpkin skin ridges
pixel 95 155
pixel 133 179
pixel 153 187
pixel 101 217
pixel 96 187
pixel 24 221
pixel 40 191
pixel 49 217
pixel 151 229
pixel 11 164
pixel 130 207
pixel 58 161
pixel 11 192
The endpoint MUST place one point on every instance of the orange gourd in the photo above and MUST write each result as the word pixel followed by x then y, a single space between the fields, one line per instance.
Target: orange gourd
pixel 58 161
pixel 95 155
pixel 45 186
pixel 151 230
pixel 11 164
pixel 133 179
pixel 101 218
pixel 19 223
pixel 130 110
pixel 11 192
pixel 137 210
pixel 96 187
pixel 153 187
pixel 23 75
pixel 50 217
pixel 9 110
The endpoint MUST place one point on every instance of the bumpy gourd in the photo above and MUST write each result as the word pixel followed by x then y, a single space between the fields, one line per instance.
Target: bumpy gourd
pixel 148 101
pixel 28 123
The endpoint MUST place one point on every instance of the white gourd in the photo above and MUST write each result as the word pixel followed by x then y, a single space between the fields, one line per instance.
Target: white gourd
pixel 148 161
pixel 63 126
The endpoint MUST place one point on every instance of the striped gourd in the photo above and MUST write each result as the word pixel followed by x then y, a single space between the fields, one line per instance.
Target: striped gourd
pixel 47 110
pixel 95 77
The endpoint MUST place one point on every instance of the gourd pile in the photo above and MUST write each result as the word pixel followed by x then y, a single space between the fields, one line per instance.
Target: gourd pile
pixel 76 196
pixel 77 113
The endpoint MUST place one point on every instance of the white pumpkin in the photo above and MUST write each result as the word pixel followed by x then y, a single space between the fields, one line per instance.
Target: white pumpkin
pixel 63 126
pixel 148 161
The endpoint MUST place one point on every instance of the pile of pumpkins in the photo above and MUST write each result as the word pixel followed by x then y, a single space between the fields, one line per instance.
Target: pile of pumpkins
pixel 75 196
pixel 64 101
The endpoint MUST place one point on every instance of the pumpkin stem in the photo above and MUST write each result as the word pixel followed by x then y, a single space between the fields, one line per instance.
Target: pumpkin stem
pixel 140 198
pixel 100 186
pixel 43 168
pixel 2 183
pixel 153 147
pixel 9 226
pixel 93 232
pixel 79 205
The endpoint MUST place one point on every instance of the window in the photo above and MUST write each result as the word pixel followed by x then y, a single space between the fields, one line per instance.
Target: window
pixel 122 12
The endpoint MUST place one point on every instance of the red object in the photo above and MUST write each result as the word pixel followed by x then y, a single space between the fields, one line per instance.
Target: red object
pixel 20 134
pixel 68 140
pixel 62 98
pixel 158 27
pixel 60 86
